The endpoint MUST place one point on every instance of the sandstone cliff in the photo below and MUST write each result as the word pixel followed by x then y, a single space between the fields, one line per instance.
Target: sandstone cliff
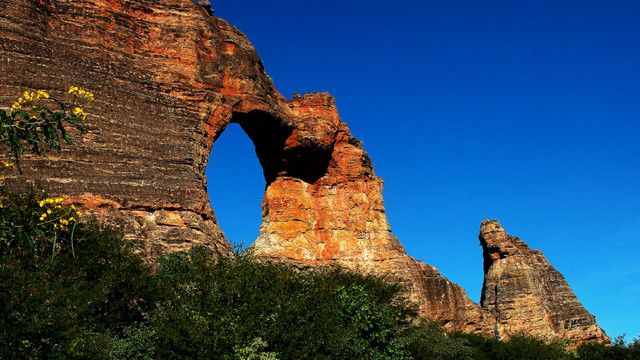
pixel 526 294
pixel 169 78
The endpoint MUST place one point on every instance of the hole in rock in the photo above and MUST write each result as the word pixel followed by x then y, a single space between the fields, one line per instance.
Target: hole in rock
pixel 235 186
pixel 249 155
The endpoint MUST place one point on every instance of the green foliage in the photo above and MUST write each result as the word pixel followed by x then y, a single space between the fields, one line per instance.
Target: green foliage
pixel 375 323
pixel 35 225
pixel 253 351
pixel 527 348
pixel 69 306
pixel 98 300
pixel 136 343
pixel 619 350
pixel 593 352
pixel 428 340
pixel 208 309
pixel 37 122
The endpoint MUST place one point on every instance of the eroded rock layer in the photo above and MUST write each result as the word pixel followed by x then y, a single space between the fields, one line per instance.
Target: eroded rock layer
pixel 527 295
pixel 168 79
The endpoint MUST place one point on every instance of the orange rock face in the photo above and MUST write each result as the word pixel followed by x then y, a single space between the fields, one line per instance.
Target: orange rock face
pixel 168 79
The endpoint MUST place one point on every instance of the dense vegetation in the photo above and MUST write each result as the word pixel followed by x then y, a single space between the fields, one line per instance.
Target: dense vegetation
pixel 82 293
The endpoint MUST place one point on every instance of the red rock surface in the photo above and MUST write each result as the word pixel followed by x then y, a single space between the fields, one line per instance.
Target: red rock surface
pixel 168 79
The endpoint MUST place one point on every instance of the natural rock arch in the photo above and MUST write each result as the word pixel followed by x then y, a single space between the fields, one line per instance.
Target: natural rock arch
pixel 319 182
pixel 168 79
pixel 277 157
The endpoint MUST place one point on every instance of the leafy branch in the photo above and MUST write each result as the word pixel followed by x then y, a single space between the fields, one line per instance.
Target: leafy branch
pixel 37 123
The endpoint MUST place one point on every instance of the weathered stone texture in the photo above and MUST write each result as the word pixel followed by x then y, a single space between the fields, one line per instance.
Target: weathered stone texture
pixel 526 294
pixel 168 79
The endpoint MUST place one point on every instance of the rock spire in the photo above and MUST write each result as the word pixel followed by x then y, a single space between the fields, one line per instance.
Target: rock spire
pixel 169 78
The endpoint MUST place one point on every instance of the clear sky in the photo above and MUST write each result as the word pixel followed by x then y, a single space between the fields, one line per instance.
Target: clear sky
pixel 524 111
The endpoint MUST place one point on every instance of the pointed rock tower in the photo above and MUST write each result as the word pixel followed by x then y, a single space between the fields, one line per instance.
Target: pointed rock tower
pixel 527 295
pixel 169 78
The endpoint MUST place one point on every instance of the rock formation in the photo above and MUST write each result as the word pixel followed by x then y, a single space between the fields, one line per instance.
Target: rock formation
pixel 168 79
pixel 526 294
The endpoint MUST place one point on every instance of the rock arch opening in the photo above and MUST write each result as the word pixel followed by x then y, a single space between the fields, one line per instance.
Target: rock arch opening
pixel 234 185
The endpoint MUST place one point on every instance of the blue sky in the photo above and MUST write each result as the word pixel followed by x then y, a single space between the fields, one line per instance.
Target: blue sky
pixel 524 111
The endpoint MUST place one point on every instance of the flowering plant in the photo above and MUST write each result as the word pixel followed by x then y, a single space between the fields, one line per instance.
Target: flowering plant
pixel 36 122
pixel 36 223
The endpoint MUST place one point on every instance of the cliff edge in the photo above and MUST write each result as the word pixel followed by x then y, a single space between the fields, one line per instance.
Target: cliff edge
pixel 169 78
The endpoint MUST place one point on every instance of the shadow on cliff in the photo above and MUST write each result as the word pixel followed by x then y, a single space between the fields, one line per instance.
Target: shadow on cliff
pixel 269 135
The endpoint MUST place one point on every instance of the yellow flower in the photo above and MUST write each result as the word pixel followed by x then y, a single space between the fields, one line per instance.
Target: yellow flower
pixel 8 164
pixel 42 95
pixel 81 92
pixel 78 111
pixel 43 216
pixel 29 96
pixel 87 95
pixel 19 103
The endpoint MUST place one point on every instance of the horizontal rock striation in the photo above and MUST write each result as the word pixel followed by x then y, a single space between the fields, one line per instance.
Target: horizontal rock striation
pixel 169 78
pixel 526 294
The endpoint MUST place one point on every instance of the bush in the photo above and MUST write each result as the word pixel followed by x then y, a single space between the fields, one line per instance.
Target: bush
pixel 59 303
pixel 72 289
pixel 78 290
pixel 428 340
pixel 619 350
pixel 209 309
pixel 528 348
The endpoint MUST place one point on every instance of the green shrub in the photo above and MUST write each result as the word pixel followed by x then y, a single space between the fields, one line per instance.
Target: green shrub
pixel 70 304
pixel 35 226
pixel 593 352
pixel 428 340
pixel 72 289
pixel 208 309
pixel 528 348
pixel 619 350
pixel 137 343
pixel 253 351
